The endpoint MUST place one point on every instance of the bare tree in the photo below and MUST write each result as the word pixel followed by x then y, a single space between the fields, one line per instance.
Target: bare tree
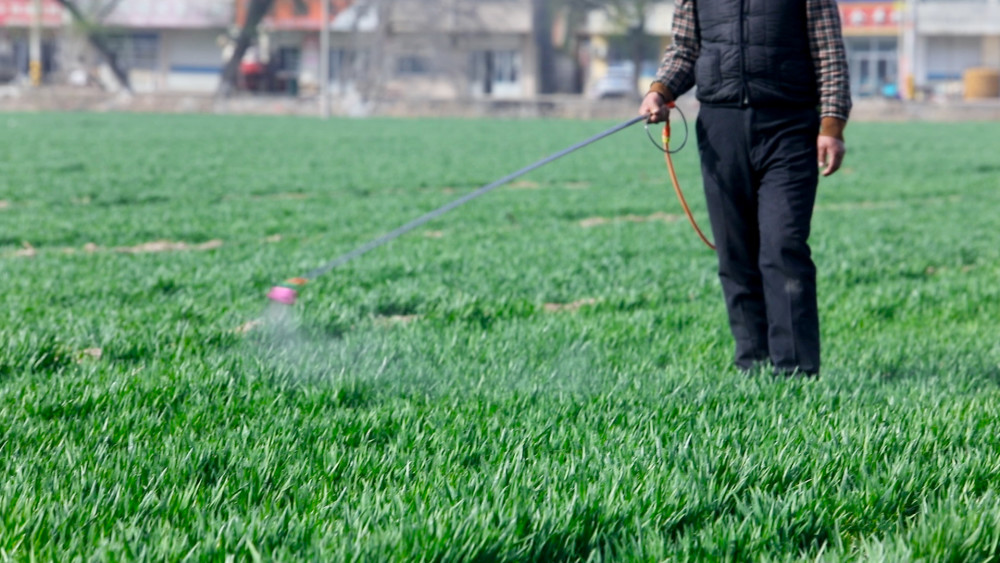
pixel 629 16
pixel 368 68
pixel 442 25
pixel 541 16
pixel 93 29
pixel 463 20
pixel 256 11
pixel 105 9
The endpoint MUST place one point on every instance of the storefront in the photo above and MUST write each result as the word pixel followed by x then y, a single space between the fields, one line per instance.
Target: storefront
pixel 16 18
pixel 951 38
pixel 417 50
pixel 171 45
pixel 286 55
pixel 871 36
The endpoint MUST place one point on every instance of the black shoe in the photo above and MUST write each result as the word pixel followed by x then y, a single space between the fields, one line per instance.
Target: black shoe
pixel 795 373
pixel 758 367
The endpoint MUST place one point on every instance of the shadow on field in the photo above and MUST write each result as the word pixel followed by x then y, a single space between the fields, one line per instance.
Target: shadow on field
pixel 902 365
pixel 33 353
pixel 986 169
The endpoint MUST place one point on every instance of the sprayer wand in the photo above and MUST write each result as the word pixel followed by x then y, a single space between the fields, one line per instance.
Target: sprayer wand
pixel 287 292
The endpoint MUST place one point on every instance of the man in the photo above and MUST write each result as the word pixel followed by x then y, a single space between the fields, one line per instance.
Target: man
pixel 762 68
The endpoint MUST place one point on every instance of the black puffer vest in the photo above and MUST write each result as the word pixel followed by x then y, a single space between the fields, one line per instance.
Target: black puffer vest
pixel 755 52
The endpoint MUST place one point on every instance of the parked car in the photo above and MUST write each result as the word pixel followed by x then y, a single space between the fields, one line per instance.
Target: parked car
pixel 618 82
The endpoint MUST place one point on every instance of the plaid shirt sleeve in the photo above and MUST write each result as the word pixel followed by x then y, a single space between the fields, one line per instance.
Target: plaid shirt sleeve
pixel 827 48
pixel 676 72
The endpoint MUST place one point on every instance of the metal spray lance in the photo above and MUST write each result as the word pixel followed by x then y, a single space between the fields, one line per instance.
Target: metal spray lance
pixel 287 292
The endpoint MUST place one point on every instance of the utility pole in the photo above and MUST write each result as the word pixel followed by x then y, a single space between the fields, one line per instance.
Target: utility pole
pixel 324 59
pixel 35 64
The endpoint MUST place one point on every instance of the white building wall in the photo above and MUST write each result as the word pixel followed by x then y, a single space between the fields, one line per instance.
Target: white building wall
pixel 991 51
pixel 948 56
pixel 959 17
pixel 192 59
pixel 953 36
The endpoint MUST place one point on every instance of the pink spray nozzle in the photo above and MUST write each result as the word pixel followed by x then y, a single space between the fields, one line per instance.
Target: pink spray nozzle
pixel 282 294
pixel 287 292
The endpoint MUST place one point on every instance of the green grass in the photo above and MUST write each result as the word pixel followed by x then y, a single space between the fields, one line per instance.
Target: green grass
pixel 430 401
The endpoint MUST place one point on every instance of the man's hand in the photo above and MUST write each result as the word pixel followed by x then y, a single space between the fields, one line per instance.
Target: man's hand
pixel 654 106
pixel 830 153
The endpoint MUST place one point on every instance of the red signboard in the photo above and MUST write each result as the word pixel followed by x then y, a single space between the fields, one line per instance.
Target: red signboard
pixel 21 13
pixel 294 14
pixel 871 17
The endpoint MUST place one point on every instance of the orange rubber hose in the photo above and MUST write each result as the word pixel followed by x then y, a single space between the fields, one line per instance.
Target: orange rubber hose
pixel 677 186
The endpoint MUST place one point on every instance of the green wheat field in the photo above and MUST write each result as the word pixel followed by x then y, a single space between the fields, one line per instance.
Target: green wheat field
pixel 541 375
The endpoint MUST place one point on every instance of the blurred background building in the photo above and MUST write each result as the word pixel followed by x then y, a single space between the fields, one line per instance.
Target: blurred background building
pixel 944 39
pixel 455 49
pixel 169 44
pixel 872 38
pixel 443 49
pixel 18 19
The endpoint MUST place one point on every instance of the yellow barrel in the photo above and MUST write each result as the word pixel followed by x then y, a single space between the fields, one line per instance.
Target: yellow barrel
pixel 980 83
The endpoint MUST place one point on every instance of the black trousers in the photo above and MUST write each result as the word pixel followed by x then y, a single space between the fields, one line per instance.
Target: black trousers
pixel 760 172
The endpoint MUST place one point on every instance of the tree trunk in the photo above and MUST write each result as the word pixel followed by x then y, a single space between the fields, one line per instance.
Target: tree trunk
pixel 638 39
pixel 374 71
pixel 255 13
pixel 542 25
pixel 96 40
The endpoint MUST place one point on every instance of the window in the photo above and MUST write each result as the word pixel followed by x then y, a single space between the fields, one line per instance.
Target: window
pixel 145 51
pixel 413 65
pixel 289 59
pixel 342 63
pixel 873 66
pixel 887 45
pixel 495 73
pixel 506 67
pixel 136 51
